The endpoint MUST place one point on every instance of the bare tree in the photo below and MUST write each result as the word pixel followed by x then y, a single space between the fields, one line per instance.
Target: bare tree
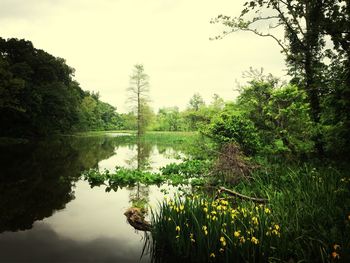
pixel 138 95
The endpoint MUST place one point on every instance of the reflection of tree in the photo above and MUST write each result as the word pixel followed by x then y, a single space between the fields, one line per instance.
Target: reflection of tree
pixel 37 178
pixel 139 195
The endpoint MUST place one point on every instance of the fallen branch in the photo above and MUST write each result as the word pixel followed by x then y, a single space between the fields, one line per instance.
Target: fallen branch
pixel 254 199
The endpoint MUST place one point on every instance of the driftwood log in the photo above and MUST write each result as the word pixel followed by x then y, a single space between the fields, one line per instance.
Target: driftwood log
pixel 241 196
pixel 136 219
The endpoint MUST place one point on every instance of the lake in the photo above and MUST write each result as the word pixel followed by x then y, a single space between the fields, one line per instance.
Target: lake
pixel 48 213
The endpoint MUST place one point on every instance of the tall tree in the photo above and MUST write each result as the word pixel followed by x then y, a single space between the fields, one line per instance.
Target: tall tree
pixel 336 119
pixel 138 95
pixel 196 102
pixel 303 41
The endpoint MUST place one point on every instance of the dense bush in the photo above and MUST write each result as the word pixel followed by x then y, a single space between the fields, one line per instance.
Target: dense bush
pixel 228 127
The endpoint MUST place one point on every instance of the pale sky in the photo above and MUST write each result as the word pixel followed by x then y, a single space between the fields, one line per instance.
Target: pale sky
pixel 103 39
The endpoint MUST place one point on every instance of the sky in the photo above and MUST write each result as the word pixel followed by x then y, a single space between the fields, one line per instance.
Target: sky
pixel 104 39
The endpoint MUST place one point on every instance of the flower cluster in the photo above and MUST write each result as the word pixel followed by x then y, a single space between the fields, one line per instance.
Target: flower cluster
pixel 218 227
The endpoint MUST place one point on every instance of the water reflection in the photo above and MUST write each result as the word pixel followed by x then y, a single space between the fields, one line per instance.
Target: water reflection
pixel 139 196
pixel 37 178
pixel 47 214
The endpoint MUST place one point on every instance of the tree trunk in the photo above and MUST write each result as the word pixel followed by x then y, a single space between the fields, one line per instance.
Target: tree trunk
pixel 310 50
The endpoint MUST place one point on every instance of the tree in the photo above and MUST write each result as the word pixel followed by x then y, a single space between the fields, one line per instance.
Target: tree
pixel 280 114
pixel 303 41
pixel 169 119
pixel 38 95
pixel 196 102
pixel 138 96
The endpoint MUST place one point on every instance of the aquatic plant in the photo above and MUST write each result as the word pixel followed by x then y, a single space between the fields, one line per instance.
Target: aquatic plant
pixel 307 219
pixel 199 229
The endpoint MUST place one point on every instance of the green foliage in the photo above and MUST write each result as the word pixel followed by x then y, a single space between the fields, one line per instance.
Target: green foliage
pixel 200 229
pixel 122 177
pixel 287 115
pixel 196 102
pixel 188 168
pixel 281 116
pixel 310 206
pixel 190 172
pixel 38 96
pixel 320 69
pixel 193 118
pixel 313 204
pixel 229 127
pixel 169 119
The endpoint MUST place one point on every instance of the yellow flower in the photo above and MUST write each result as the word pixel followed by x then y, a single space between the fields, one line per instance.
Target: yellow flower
pixel 205 209
pixel 242 240
pixel 267 211
pixel 223 241
pixel 192 239
pixel 182 207
pixel 222 250
pixel 177 237
pixel 204 227
pixel 335 255
pixel 224 202
pixel 277 227
pixel 212 255
pixel 169 218
pixel 255 240
pixel 237 233
pixel 255 220
pixel 205 232
pixel 213 212
pixel 219 207
pixel 177 228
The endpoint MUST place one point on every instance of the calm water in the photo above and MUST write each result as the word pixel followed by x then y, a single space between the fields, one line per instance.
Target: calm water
pixel 49 214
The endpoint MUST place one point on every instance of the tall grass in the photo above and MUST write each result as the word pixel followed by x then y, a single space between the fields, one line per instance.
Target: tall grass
pixel 198 229
pixel 307 220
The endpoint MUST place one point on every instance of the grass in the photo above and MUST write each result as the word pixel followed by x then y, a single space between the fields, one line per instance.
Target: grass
pixel 206 230
pixel 311 207
pixel 102 133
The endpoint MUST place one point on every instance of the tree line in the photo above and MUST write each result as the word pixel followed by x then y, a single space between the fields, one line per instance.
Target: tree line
pixel 39 97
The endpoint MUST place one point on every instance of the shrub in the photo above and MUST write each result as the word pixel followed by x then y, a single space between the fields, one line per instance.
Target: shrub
pixel 231 128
